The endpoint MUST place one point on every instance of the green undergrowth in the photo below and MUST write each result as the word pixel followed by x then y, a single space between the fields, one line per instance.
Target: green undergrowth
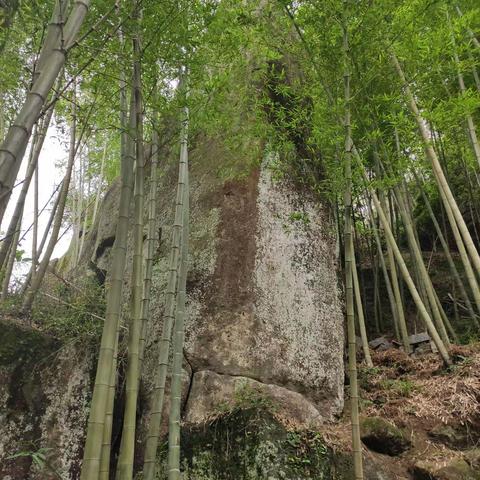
pixel 246 397
pixel 250 443
pixel 64 311
pixel 71 312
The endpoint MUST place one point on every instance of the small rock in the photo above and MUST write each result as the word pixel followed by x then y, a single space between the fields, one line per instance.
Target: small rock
pixel 449 435
pixel 455 469
pixel 382 436
pixel 473 458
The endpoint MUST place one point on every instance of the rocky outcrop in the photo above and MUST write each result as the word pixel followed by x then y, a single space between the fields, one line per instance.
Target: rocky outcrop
pixel 252 444
pixel 454 469
pixel 269 308
pixel 44 389
pixel 212 394
pixel 382 436
pixel 264 308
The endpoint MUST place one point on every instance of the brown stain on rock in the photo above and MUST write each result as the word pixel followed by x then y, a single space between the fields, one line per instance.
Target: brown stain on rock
pixel 236 248
pixel 229 293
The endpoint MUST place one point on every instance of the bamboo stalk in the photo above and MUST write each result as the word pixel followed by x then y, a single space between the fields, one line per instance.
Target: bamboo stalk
pixel 118 257
pixel 125 462
pixel 360 315
pixel 164 348
pixel 349 260
pixel 94 452
pixel 37 279
pixel 408 279
pixel 447 195
pixel 179 334
pixel 16 140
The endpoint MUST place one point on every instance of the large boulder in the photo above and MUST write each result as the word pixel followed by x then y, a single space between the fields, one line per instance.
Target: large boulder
pixel 212 394
pixel 263 297
pixel 454 469
pixel 252 444
pixel 44 394
pixel 264 306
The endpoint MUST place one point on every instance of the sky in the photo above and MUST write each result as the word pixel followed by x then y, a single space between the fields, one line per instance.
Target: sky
pixel 51 170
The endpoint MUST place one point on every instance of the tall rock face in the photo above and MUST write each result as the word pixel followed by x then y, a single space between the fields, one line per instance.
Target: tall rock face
pixel 268 307
pixel 263 301
pixel 264 308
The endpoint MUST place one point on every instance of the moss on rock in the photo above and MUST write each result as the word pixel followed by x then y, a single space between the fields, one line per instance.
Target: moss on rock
pixel 251 444
pixel 382 436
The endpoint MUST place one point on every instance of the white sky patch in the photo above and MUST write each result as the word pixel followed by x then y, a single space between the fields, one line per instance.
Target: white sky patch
pixel 51 171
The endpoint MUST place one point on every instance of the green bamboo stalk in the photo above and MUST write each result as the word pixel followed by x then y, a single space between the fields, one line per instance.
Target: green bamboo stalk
pixel 448 256
pixel 151 242
pixel 127 162
pixel 37 279
pixel 470 274
pixel 407 278
pixel 447 195
pixel 472 131
pixel 399 300
pixel 32 270
pixel 424 278
pixel 16 140
pixel 37 144
pixel 446 321
pixel 360 315
pixel 179 334
pixel 349 260
pixel 161 371
pixel 125 462
pixel 102 392
pixel 470 32
pixel 394 307
pixel 11 260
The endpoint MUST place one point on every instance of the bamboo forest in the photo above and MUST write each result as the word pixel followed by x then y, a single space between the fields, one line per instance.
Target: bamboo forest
pixel 240 239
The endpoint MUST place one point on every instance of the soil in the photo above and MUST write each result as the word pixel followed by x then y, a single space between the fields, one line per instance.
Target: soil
pixel 419 395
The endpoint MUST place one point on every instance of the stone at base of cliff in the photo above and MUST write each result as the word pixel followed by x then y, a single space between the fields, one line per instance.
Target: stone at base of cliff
pixel 251 444
pixel 213 393
pixel 453 436
pixel 456 469
pixel 473 458
pixel 382 436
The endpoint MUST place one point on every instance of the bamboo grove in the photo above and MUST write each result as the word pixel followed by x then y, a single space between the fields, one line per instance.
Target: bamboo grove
pixel 371 107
